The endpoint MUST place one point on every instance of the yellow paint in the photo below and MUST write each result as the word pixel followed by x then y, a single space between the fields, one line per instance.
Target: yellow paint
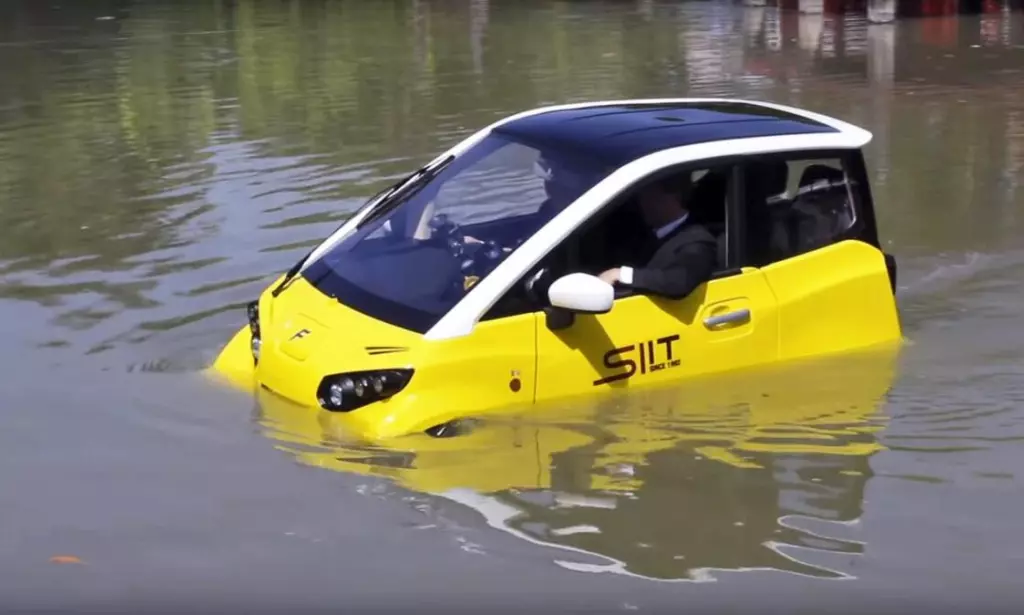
pixel 831 301
pixel 571 360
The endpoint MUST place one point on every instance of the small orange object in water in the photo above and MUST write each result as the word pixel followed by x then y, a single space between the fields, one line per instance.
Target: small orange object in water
pixel 65 559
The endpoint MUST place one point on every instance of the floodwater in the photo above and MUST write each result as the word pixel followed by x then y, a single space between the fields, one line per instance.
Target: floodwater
pixel 160 164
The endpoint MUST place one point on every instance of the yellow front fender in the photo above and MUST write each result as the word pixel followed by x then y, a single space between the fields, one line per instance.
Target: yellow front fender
pixel 235 364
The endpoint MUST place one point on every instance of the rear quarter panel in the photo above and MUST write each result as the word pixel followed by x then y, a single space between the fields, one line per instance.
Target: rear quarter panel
pixel 834 299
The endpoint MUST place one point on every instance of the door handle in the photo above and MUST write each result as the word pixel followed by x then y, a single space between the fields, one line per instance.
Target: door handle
pixel 728 318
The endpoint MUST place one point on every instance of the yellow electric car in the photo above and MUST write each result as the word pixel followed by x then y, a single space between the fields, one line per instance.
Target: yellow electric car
pixel 470 286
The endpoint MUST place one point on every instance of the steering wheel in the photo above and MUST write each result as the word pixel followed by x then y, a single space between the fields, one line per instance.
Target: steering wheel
pixel 476 258
pixel 443 230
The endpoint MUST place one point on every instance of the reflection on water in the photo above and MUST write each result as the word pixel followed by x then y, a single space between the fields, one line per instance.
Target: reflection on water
pixel 746 472
pixel 159 165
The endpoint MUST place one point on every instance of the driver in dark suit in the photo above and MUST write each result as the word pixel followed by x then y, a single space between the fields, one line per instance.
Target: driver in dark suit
pixel 682 254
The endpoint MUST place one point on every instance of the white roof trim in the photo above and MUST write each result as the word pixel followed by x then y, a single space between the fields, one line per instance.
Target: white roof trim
pixel 850 137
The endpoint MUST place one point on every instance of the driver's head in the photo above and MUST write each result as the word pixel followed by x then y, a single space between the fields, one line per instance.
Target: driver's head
pixel 664 200
pixel 563 181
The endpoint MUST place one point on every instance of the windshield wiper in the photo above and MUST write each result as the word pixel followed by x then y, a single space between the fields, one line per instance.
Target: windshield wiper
pixel 385 202
pixel 405 188
pixel 290 274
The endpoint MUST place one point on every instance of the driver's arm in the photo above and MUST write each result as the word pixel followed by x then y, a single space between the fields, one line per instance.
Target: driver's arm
pixel 676 271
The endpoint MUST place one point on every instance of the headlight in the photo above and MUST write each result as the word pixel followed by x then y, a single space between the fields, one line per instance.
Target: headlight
pixel 346 392
pixel 253 313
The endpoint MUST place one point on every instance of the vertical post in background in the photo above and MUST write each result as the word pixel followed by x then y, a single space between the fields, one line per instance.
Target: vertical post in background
pixel 882 57
pixel 753 24
pixel 421 35
pixel 810 29
pixel 773 29
pixel 881 52
pixel 1007 31
pixel 881 11
pixel 479 11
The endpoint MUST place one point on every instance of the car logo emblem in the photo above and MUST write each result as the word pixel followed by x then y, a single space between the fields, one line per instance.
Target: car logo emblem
pixel 300 334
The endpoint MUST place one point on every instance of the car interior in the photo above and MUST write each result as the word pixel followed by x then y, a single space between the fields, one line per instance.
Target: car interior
pixel 819 211
pixel 780 226
pixel 618 236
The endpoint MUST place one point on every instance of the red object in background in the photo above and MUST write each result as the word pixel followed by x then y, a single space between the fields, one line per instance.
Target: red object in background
pixel 940 31
pixel 991 6
pixel 934 8
pixel 789 26
pixel 940 25
pixel 834 6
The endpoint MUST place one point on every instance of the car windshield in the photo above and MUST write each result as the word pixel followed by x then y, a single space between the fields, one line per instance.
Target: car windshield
pixel 411 264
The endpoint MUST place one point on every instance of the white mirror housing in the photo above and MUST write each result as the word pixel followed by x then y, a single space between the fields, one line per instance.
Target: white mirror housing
pixel 580 292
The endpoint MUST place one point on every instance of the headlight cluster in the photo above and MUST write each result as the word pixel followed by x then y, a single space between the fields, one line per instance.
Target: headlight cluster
pixel 346 392
pixel 253 311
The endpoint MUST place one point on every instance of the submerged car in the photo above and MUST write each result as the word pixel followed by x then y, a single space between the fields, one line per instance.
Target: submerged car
pixel 471 285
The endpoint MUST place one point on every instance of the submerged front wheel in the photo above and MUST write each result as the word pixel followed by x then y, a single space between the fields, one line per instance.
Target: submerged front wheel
pixel 450 429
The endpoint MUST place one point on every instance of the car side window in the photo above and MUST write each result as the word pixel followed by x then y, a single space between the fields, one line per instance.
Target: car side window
pixel 618 236
pixel 796 205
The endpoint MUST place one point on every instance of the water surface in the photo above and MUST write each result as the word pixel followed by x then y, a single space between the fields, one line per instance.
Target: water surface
pixel 158 166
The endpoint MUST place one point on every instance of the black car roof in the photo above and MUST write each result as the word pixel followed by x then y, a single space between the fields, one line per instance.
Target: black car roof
pixel 618 134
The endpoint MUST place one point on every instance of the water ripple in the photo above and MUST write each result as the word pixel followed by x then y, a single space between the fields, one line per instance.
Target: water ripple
pixel 156 170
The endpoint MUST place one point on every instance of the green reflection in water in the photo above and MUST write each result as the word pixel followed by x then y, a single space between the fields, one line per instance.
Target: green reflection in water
pixel 201 148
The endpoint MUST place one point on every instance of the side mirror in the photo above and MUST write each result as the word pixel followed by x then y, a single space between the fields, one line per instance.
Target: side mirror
pixel 580 292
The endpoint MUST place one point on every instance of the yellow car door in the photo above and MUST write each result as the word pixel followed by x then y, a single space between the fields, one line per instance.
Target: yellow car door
pixel 728 323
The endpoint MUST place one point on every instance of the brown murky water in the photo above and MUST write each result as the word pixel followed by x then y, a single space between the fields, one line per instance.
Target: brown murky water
pixel 159 165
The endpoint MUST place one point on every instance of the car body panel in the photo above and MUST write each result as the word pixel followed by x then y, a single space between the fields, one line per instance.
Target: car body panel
pixel 648 340
pixel 494 369
pixel 833 299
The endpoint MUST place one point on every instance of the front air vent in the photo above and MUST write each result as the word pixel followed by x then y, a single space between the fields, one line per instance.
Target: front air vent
pixel 374 350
